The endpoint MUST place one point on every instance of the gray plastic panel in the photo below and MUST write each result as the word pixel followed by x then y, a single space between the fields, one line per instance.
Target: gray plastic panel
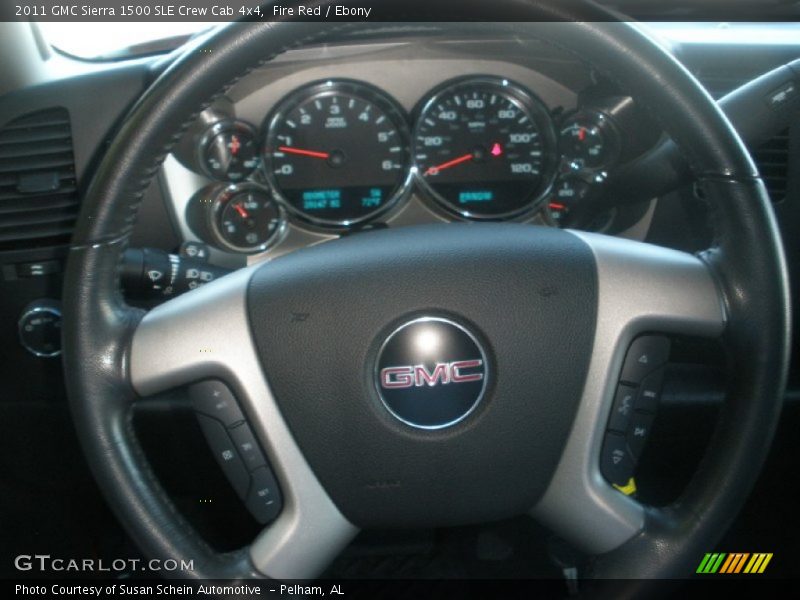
pixel 642 288
pixel 205 334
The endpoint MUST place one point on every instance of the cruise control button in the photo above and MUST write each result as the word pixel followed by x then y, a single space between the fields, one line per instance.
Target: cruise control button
pixel 622 408
pixel 616 462
pixel 650 392
pixel 638 432
pixel 247 446
pixel 213 398
pixel 225 453
pixel 646 354
pixel 264 500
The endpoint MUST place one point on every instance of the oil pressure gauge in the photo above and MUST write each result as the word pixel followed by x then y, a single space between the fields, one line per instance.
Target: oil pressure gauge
pixel 589 141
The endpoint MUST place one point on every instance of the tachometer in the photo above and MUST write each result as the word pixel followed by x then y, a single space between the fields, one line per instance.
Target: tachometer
pixel 337 153
pixel 485 148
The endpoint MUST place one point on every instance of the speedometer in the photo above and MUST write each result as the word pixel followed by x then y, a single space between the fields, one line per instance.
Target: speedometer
pixel 337 153
pixel 485 148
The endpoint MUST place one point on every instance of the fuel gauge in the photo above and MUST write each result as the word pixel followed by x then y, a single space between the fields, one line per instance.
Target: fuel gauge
pixel 229 151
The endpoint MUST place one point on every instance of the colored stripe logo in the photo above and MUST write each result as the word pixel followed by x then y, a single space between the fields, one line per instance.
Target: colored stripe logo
pixel 734 562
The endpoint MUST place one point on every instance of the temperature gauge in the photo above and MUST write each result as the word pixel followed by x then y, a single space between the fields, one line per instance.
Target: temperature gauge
pixel 589 141
pixel 566 198
pixel 568 207
pixel 243 218
pixel 229 151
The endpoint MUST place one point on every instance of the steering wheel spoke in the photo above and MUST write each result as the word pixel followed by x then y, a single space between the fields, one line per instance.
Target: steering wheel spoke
pixel 641 289
pixel 205 335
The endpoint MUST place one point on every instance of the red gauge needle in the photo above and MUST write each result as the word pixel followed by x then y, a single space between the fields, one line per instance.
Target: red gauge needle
pixel 582 134
pixel 301 152
pixel 242 212
pixel 448 164
pixel 235 145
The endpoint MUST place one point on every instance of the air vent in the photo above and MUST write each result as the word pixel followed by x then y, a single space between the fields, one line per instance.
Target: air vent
pixel 38 190
pixel 772 157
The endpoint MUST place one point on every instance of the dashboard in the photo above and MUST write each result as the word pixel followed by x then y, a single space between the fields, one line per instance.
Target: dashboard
pixel 422 130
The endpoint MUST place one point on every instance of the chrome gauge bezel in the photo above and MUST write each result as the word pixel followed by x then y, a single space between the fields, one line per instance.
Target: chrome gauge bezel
pixel 326 88
pixel 607 128
pixel 218 128
pixel 526 101
pixel 219 199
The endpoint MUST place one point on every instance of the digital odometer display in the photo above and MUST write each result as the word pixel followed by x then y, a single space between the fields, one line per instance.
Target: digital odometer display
pixel 485 148
pixel 337 153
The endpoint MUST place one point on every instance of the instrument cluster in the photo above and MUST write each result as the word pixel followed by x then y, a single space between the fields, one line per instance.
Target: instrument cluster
pixel 340 154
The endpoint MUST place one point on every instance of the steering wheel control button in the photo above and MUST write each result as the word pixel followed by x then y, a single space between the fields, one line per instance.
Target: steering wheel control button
pixel 638 432
pixel 646 354
pixel 634 407
pixel 264 500
pixel 213 398
pixel 650 392
pixel 225 453
pixel 247 446
pixel 431 373
pixel 622 409
pixel 616 461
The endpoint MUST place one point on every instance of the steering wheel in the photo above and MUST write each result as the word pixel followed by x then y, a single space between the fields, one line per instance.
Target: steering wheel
pixel 533 325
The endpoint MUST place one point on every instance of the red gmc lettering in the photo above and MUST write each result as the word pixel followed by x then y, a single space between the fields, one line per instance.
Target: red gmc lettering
pixel 457 377
pixel 397 377
pixel 418 375
pixel 440 372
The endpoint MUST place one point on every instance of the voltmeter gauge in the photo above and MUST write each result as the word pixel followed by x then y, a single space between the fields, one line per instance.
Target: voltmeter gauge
pixel 229 151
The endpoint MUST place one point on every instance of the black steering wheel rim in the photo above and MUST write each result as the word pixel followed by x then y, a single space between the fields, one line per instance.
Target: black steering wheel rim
pixel 746 261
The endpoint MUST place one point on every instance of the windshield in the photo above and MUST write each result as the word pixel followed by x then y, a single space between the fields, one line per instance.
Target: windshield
pixel 119 40
pixel 116 40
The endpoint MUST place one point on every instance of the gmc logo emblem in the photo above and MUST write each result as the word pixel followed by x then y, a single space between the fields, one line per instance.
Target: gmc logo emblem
pixel 393 378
